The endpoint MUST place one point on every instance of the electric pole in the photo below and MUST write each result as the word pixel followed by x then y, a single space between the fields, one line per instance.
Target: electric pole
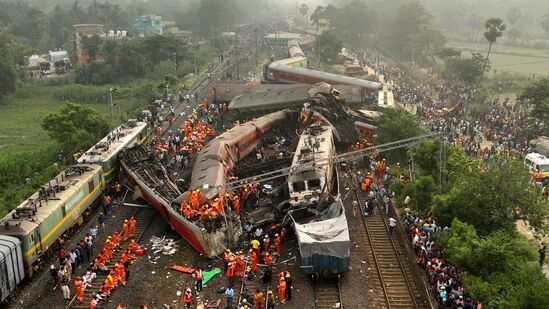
pixel 111 90
pixel 175 62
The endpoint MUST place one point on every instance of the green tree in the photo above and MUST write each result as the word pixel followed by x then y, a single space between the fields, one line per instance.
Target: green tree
pixel 536 96
pixel 426 158
pixel 12 55
pixel 214 15
pixel 353 21
pixel 407 21
pixel 459 242
pixel 92 44
pixel 317 15
pixel 492 198
pixel 448 52
pixel 304 10
pixel 494 29
pixel 425 187
pixel 75 126
pixel 397 124
pixel 329 45
pixel 467 70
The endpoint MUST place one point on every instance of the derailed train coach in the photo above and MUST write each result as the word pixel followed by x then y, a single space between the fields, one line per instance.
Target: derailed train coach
pixel 57 206
pixel 324 242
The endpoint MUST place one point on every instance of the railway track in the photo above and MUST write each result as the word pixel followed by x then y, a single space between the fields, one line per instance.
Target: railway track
pixel 394 274
pixel 200 88
pixel 144 217
pixel 327 293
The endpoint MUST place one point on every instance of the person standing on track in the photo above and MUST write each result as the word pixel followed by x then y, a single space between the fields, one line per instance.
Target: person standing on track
pixel 229 292
pixel 132 224
pixel 258 299
pixel 125 230
pixel 65 287
pixel 198 277
pixel 392 224
pixel 289 283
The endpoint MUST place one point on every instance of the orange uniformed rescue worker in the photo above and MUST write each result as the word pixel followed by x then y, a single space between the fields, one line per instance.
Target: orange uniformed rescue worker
pixel 282 290
pixel 258 299
pixel 132 223
pixel 188 298
pixel 125 230
pixel 278 244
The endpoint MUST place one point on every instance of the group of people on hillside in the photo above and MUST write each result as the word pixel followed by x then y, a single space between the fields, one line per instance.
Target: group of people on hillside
pixel 442 277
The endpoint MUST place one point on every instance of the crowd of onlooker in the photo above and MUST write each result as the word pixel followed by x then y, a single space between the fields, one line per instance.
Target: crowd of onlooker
pixel 442 277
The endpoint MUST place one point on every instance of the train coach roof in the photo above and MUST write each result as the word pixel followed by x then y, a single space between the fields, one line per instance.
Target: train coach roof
pixel 330 236
pixel 212 177
pixel 271 99
pixel 119 138
pixel 72 182
pixel 330 78
pixel 226 92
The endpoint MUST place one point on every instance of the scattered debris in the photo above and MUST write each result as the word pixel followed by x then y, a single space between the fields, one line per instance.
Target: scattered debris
pixel 166 246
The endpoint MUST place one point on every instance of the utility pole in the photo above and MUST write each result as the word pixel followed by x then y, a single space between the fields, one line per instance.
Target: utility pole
pixel 195 43
pixel 111 90
pixel 175 63
pixel 166 81
pixel 442 158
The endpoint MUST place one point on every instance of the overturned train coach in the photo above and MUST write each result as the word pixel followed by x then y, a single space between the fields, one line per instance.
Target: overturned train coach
pixel 209 173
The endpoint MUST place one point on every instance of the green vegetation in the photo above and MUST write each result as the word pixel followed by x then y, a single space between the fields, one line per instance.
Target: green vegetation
pixel 481 203
pixel 494 29
pixel 499 269
pixel 467 70
pixel 536 95
pixel 75 126
pixel 37 164
pixel 397 124
pixel 12 55
pixel 329 44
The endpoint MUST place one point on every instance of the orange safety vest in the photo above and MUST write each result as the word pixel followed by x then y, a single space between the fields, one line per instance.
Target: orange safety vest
pixel 187 297
pixel 198 275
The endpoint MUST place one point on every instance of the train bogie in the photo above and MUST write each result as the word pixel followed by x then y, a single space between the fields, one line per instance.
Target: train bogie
pixel 12 270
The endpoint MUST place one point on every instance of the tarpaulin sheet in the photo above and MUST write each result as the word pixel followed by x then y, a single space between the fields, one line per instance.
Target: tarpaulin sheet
pixel 328 237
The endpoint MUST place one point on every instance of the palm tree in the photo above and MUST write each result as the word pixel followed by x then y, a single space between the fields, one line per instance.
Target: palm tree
pixel 317 14
pixel 304 9
pixel 494 29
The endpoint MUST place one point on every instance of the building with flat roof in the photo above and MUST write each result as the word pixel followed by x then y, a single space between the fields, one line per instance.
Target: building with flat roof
pixel 149 25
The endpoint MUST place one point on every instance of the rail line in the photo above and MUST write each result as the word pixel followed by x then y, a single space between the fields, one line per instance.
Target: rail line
pixel 219 69
pixel 144 217
pixel 327 293
pixel 394 273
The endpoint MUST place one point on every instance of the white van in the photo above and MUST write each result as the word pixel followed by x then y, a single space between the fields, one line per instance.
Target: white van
pixel 535 162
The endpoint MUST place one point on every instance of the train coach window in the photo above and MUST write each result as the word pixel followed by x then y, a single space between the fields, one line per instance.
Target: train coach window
pixel 314 184
pixel 90 186
pixel 298 186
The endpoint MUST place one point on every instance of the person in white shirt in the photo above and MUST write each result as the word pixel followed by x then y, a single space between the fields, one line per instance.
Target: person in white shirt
pixel 392 224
